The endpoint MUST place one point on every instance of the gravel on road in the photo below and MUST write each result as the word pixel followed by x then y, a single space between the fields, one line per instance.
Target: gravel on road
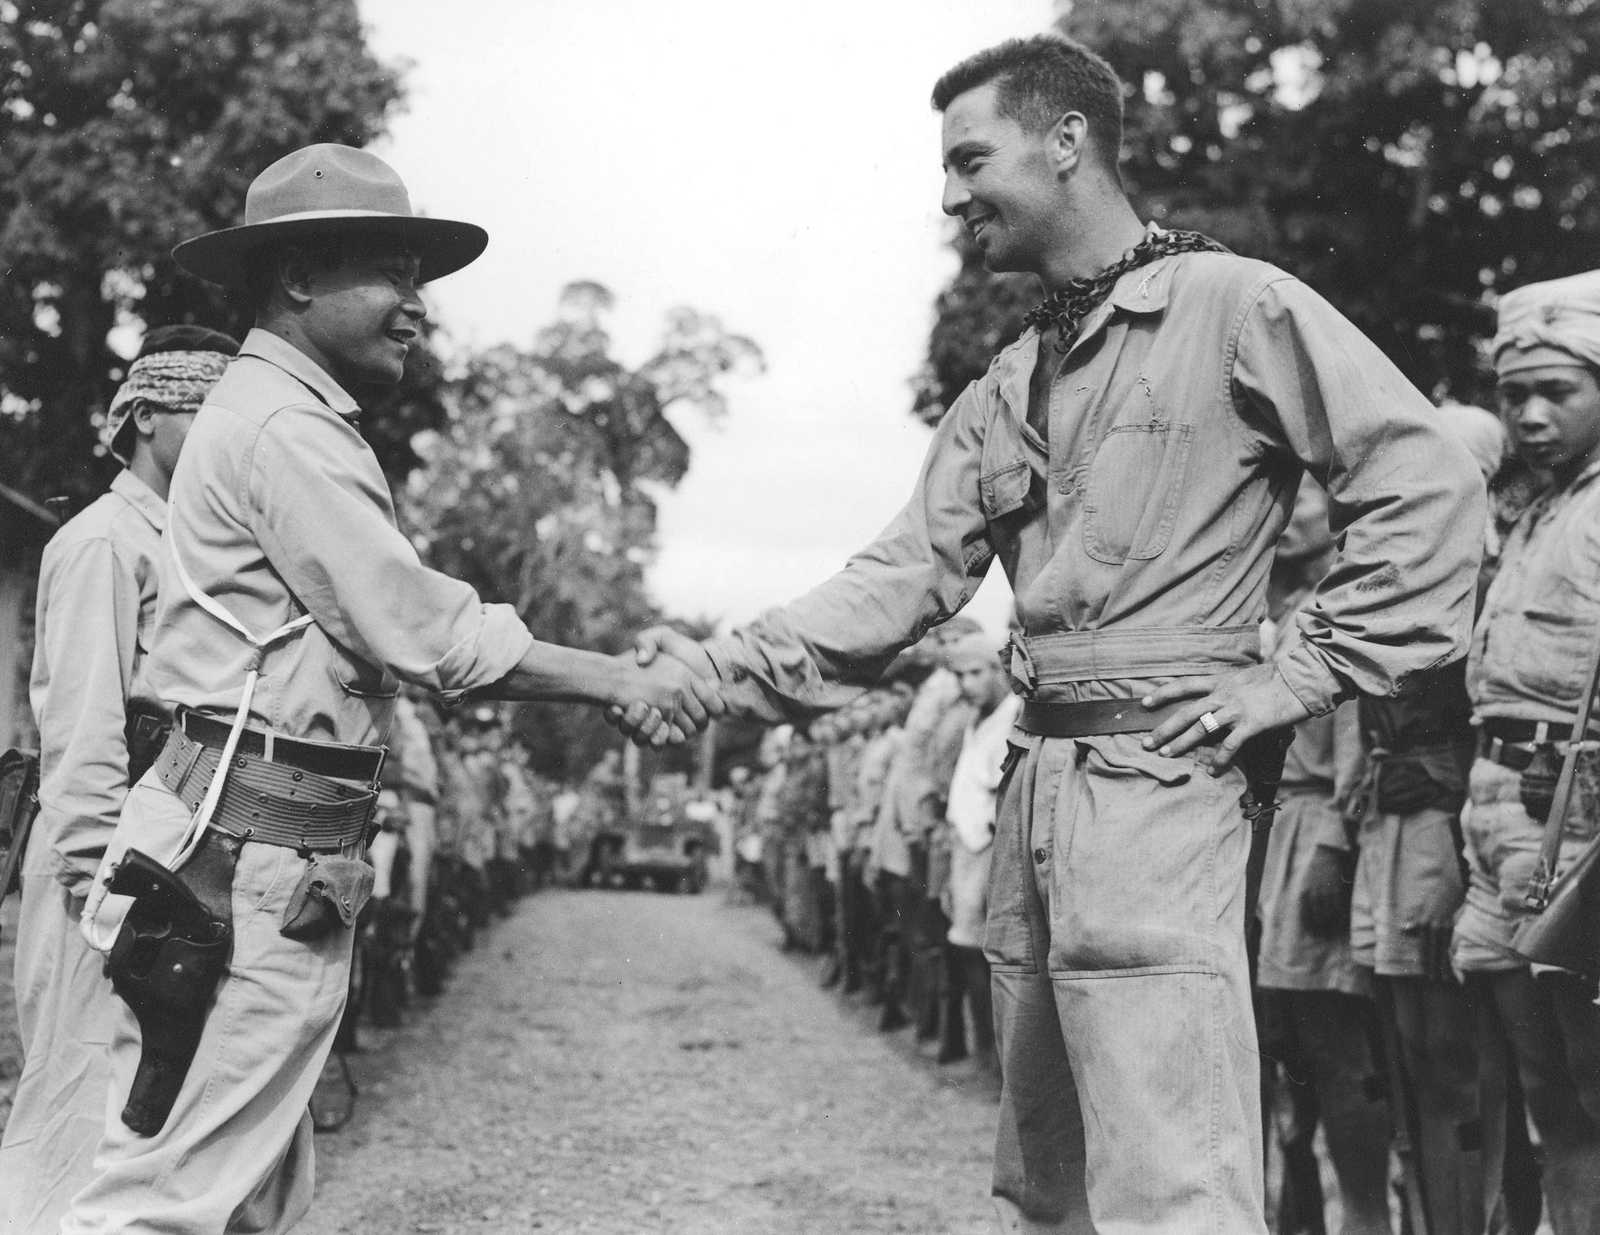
pixel 620 1063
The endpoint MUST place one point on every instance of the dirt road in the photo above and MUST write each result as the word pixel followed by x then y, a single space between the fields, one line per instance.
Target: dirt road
pixel 634 1062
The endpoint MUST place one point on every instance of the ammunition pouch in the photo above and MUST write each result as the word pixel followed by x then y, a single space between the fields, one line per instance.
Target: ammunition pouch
pixel 166 962
pixel 330 895
pixel 1537 784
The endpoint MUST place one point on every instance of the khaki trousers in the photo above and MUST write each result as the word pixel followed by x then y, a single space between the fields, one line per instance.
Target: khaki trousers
pixel 1130 1096
pixel 235 1154
pixel 65 1011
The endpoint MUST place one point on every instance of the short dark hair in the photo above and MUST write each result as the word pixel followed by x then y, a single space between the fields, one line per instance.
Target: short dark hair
pixel 261 267
pixel 1041 79
pixel 187 338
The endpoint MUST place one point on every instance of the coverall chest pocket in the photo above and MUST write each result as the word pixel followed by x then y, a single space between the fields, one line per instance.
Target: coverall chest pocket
pixel 1136 486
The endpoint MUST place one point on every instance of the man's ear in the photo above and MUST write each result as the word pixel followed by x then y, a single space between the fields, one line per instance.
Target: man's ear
pixel 144 418
pixel 293 275
pixel 1069 141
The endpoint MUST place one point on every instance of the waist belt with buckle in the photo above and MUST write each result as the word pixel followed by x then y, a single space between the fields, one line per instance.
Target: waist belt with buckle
pixel 274 801
pixel 1092 717
pixel 362 763
pixel 1512 743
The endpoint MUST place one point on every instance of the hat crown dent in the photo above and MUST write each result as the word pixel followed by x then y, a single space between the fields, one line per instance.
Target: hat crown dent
pixel 326 178
pixel 327 190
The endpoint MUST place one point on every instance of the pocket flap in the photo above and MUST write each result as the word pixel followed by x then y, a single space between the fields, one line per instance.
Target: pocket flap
pixel 1005 490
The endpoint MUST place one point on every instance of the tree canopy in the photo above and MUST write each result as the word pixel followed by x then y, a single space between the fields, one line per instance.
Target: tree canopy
pixel 1409 159
pixel 125 126
pixel 539 491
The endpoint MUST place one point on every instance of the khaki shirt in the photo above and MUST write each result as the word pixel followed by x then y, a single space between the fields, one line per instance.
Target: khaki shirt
pixel 1536 637
pixel 97 601
pixel 1179 425
pixel 279 509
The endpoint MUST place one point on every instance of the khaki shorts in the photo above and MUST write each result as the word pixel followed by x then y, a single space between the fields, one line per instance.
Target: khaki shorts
pixel 1409 865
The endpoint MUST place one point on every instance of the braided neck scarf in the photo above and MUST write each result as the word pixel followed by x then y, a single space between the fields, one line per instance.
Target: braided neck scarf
pixel 1066 308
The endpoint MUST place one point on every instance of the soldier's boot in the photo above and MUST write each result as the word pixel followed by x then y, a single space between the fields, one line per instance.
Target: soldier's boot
pixel 953 1028
pixel 932 986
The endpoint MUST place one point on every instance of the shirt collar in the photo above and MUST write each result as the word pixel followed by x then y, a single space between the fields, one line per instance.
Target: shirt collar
pixel 1581 481
pixel 278 351
pixel 1144 289
pixel 142 498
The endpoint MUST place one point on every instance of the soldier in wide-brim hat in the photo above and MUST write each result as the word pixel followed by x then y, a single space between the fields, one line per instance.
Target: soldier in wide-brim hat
pixel 292 609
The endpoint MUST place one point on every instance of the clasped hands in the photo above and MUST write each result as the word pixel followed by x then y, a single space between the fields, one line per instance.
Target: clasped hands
pixel 670 689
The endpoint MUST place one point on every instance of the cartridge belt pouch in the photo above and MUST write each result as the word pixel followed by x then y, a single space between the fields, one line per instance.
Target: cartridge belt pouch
pixel 330 896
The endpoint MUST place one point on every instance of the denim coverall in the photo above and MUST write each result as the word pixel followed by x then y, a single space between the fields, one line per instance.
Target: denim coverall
pixel 1137 540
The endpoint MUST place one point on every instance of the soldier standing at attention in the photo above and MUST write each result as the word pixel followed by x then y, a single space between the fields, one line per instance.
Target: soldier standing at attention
pixel 1408 889
pixel 1130 461
pixel 290 607
pixel 97 600
pixel 1530 656
pixel 1316 1015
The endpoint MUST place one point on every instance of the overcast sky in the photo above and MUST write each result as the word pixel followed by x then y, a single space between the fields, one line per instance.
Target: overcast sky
pixel 776 165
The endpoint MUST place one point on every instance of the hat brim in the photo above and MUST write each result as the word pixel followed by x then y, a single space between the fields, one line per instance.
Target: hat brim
pixel 443 245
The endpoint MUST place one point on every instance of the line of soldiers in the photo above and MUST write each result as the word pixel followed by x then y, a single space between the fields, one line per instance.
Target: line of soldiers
pixel 464 828
pixel 870 831
pixel 1448 1076
pixel 1390 993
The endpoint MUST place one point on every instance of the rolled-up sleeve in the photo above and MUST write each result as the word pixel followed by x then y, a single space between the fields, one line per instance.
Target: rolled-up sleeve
pixel 1406 501
pixel 820 651
pixel 321 516
pixel 88 624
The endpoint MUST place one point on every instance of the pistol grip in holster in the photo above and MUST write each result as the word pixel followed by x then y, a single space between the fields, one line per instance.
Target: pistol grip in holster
pixel 165 964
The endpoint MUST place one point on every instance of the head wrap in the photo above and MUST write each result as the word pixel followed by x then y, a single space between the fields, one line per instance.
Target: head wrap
pixel 1479 431
pixel 1557 322
pixel 176 368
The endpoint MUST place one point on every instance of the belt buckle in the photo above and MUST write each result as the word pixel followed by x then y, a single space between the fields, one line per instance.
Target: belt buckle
pixel 1020 666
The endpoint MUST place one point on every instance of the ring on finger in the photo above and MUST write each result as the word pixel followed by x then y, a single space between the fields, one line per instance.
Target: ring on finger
pixel 1209 722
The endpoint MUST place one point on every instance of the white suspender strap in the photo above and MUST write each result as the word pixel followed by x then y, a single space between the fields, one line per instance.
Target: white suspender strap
pixel 208 804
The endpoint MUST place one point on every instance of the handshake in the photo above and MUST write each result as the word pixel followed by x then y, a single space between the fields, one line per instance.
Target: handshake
pixel 668 689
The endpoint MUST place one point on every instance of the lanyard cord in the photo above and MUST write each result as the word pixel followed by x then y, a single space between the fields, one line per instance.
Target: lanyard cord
pixel 208 804
pixel 201 819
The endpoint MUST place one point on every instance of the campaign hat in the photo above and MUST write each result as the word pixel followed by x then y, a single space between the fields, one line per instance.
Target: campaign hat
pixel 329 190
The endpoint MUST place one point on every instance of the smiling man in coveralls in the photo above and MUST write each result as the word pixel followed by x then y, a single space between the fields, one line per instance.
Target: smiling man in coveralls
pixel 1131 461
